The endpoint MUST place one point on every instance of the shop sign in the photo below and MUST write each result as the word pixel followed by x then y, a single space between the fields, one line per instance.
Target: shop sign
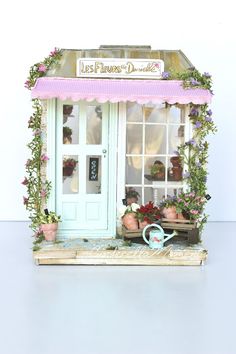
pixel 120 68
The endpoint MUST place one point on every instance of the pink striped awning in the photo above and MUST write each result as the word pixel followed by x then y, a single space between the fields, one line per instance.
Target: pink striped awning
pixel 119 90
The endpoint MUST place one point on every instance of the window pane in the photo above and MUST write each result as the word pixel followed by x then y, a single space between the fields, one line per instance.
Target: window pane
pixel 155 139
pixel 176 137
pixel 134 139
pixel 155 195
pixel 93 175
pixel 94 125
pixel 176 115
pixel 70 174
pixel 154 169
pixel 155 113
pixel 134 170
pixel 134 112
pixel 174 191
pixel 70 124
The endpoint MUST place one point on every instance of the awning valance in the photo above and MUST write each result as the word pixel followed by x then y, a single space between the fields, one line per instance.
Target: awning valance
pixel 119 90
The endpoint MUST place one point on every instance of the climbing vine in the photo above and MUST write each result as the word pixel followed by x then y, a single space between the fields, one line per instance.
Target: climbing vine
pixel 38 187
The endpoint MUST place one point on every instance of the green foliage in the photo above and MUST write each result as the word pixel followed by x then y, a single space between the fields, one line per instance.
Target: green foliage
pixel 127 243
pixel 50 218
pixel 39 69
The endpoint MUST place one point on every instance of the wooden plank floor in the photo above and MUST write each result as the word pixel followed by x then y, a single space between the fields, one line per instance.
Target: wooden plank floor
pixel 115 252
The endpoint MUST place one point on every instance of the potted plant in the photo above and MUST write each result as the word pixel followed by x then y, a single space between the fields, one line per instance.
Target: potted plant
pixel 147 214
pixel 128 218
pixel 168 207
pixel 190 205
pixel 49 225
pixel 158 171
pixel 67 133
pixel 69 165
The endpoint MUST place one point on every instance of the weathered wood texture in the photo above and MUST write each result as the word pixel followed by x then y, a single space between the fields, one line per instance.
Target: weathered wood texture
pixel 99 252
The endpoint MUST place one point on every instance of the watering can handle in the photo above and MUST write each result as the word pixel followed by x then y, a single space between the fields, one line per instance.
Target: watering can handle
pixel 151 225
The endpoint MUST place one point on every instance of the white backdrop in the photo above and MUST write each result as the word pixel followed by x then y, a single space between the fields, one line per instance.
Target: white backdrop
pixel 205 31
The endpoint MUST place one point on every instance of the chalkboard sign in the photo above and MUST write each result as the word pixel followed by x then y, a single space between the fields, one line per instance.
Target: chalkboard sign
pixel 93 168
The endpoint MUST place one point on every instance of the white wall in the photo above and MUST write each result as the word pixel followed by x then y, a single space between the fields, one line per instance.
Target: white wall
pixel 204 30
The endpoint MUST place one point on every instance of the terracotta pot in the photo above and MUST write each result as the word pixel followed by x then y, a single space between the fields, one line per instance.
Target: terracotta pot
pixel 142 224
pixel 50 231
pixel 183 216
pixel 130 222
pixel 67 171
pixel 180 216
pixel 170 212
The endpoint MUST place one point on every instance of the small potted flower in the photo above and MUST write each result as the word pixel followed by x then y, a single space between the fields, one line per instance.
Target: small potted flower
pixel 190 205
pixel 128 217
pixel 49 225
pixel 69 165
pixel 168 207
pixel 157 171
pixel 147 214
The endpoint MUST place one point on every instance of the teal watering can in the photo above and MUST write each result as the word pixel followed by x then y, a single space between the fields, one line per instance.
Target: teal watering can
pixel 156 237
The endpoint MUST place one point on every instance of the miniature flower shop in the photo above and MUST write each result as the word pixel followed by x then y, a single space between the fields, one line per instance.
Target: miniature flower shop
pixel 118 155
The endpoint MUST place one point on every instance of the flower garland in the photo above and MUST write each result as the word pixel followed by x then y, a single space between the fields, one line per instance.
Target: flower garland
pixel 38 188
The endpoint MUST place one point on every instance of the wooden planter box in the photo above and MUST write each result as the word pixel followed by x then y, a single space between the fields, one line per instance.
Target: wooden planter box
pixel 187 231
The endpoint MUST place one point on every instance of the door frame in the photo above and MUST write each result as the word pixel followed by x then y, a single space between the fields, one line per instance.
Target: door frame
pixel 112 169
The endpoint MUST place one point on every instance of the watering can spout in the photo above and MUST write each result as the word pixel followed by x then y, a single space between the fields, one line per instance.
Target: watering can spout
pixel 169 236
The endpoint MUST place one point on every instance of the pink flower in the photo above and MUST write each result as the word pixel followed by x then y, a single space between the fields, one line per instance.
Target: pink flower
pixel 53 52
pixel 28 163
pixel 37 132
pixel 44 157
pixel 25 200
pixel 194 212
pixel 25 182
pixel 43 193
pixel 27 84
pixel 38 232
pixel 42 68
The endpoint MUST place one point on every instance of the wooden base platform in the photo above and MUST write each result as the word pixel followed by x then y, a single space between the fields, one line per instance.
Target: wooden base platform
pixel 118 252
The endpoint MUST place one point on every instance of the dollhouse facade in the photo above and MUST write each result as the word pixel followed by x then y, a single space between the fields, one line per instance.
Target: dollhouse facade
pixel 112 125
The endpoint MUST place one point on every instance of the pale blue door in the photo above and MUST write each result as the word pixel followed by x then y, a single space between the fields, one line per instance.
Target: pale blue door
pixel 82 166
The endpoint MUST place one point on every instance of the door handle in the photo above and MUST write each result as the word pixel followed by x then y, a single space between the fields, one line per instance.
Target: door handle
pixel 104 152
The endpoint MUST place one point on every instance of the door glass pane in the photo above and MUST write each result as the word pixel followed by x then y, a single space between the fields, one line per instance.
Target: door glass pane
pixel 154 169
pixel 134 170
pixel 94 125
pixel 155 113
pixel 155 139
pixel 70 124
pixel 134 139
pixel 93 175
pixel 176 137
pixel 134 112
pixel 70 174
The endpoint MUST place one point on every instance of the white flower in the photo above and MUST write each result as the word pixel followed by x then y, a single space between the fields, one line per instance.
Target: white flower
pixel 134 207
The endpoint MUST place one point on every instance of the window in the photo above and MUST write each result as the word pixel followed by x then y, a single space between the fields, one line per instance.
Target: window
pixel 153 133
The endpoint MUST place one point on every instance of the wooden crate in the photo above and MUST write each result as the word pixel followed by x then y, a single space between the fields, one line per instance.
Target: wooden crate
pixel 187 230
